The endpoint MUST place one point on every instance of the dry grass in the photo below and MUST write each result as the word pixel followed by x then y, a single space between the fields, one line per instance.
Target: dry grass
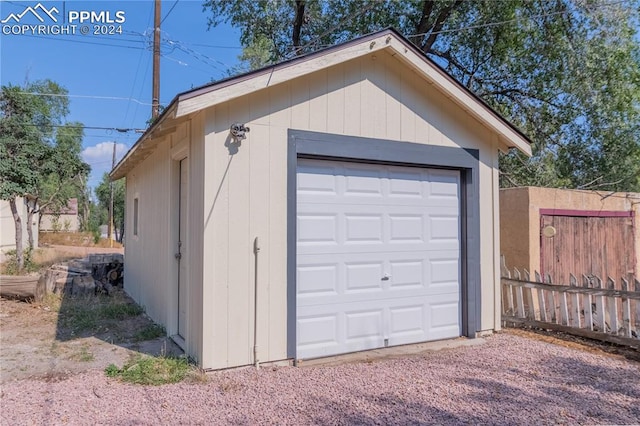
pixel 46 256
pixel 41 258
pixel 78 239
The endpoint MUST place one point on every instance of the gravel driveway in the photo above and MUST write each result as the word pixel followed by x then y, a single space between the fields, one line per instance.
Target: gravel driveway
pixel 508 380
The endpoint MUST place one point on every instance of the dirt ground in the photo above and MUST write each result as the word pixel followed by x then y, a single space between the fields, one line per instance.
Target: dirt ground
pixel 576 342
pixel 36 343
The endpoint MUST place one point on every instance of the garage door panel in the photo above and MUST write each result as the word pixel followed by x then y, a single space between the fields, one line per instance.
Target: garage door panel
pixel 316 280
pixel 318 333
pixel 407 228
pixel 363 277
pixel 318 228
pixel 363 324
pixel 378 256
pixel 407 274
pixel 362 228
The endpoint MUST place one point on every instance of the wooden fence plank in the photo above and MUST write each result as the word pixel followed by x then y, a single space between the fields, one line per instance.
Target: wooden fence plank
pixel 564 309
pixel 637 313
pixel 590 309
pixel 575 303
pixel 600 312
pixel 543 306
pixel 509 308
pixel 519 294
pixel 613 311
pixel 587 306
pixel 626 310
pixel 552 306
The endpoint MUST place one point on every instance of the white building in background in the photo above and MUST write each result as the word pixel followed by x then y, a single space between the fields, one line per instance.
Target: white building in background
pixel 8 229
pixel 66 219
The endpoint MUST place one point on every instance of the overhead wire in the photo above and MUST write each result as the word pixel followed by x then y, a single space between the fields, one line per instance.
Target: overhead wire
pixel 135 78
pixel 79 41
pixel 112 98
pixel 169 12
pixel 67 126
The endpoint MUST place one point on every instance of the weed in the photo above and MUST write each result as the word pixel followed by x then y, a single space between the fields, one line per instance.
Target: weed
pixel 54 349
pixel 90 313
pixel 10 265
pixel 121 311
pixel 52 302
pixel 83 355
pixel 145 370
pixel 150 332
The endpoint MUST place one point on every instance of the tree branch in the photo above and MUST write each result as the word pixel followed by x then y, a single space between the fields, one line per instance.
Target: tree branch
pixel 439 23
pixel 297 24
pixel 423 25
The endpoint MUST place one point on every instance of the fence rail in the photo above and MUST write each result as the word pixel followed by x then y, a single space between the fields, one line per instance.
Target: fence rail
pixel 592 308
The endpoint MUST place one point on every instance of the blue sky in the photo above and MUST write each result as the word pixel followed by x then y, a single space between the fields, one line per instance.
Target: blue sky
pixel 94 67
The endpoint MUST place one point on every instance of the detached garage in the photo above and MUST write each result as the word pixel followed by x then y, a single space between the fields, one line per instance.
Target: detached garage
pixel 337 202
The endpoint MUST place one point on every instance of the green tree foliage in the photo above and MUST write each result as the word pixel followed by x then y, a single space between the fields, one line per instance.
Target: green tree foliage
pixel 103 193
pixel 64 172
pixel 566 72
pixel 31 149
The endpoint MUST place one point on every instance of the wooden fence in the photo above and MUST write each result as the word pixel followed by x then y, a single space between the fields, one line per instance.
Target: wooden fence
pixel 589 308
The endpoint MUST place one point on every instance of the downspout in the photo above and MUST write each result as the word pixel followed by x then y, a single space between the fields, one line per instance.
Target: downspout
pixel 256 250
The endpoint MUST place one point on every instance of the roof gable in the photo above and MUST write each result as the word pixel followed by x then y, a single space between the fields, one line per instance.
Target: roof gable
pixel 388 40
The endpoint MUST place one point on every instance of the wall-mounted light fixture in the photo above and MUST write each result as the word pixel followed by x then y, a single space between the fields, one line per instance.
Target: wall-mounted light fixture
pixel 238 131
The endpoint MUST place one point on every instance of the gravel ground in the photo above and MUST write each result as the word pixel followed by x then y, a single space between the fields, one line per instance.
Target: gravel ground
pixel 509 380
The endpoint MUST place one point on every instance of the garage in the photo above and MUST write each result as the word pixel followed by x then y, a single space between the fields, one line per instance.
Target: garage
pixel 378 256
pixel 340 201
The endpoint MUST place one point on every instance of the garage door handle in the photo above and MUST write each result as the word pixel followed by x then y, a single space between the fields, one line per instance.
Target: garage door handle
pixel 386 277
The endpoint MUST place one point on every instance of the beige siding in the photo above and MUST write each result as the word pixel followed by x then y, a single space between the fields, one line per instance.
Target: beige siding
pixel 197 216
pixel 245 188
pixel 148 273
pixel 151 269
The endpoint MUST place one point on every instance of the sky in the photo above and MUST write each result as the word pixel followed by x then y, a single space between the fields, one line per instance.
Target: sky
pixel 108 76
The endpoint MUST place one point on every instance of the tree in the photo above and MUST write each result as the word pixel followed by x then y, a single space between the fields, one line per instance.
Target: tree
pixel 103 193
pixel 64 173
pixel 566 72
pixel 28 118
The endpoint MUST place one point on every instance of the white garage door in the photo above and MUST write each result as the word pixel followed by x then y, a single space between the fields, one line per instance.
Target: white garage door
pixel 378 256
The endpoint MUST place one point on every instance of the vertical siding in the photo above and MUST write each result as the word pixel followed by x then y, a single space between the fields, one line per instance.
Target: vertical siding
pixel 150 268
pixel 197 327
pixel 149 255
pixel 245 188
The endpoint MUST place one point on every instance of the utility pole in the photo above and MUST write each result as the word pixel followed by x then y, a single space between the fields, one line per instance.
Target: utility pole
pixel 155 108
pixel 110 226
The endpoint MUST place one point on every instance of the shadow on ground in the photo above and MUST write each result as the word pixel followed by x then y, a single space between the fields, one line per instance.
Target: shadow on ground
pixel 67 334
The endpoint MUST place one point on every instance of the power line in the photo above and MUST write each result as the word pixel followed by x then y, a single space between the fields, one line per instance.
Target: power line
pixel 81 41
pixel 115 129
pixel 111 98
pixel 169 12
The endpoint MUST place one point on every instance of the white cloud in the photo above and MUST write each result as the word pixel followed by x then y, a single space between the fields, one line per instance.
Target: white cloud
pixel 99 158
pixel 102 152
